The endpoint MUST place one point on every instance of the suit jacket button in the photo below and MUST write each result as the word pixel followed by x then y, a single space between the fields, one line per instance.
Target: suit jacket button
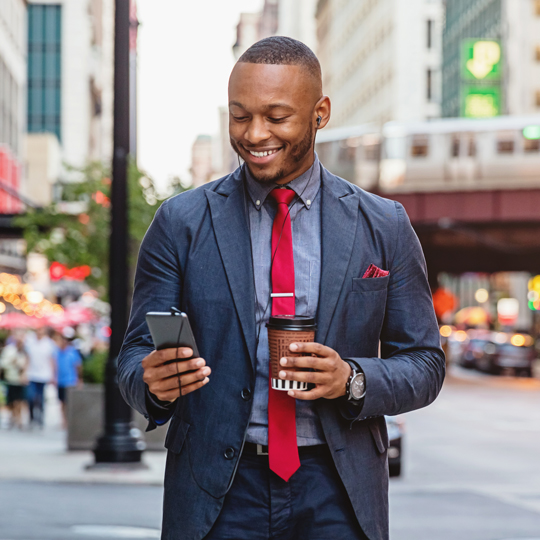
pixel 229 453
pixel 246 394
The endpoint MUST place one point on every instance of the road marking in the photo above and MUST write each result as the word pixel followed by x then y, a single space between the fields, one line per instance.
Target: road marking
pixel 113 531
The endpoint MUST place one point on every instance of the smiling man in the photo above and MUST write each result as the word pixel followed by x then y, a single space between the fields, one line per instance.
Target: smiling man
pixel 281 236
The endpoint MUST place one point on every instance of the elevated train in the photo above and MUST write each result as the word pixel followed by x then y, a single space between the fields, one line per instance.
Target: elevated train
pixel 453 154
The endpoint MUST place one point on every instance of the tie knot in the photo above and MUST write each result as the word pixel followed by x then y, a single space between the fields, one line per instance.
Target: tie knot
pixel 282 196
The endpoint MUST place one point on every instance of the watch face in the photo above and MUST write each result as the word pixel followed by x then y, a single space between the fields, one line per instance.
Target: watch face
pixel 357 386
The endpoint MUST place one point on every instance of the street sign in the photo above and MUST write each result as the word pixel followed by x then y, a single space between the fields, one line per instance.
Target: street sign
pixel 481 59
pixel 480 101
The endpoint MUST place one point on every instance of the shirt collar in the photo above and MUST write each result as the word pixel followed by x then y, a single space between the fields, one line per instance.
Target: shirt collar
pixel 306 186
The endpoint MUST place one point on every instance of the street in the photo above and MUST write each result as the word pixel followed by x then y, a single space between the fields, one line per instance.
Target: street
pixel 470 473
pixel 471 463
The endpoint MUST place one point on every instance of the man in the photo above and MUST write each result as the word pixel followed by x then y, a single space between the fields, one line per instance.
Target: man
pixel 68 367
pixel 220 253
pixel 41 371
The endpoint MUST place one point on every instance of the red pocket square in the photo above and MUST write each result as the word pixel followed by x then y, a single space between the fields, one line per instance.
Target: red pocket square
pixel 374 271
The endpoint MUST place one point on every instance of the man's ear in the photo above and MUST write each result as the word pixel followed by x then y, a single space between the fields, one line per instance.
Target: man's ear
pixel 322 110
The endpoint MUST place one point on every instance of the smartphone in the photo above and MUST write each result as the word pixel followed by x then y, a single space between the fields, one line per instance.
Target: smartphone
pixel 171 329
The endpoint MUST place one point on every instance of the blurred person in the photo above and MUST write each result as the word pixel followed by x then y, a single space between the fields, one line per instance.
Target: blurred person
pixel 41 371
pixel 68 367
pixel 14 363
pixel 246 461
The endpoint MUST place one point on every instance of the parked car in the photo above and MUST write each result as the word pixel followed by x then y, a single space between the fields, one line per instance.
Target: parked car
pixel 499 352
pixel 396 429
pixel 511 352
pixel 474 351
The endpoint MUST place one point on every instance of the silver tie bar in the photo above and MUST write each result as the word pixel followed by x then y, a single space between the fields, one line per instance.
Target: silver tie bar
pixel 281 294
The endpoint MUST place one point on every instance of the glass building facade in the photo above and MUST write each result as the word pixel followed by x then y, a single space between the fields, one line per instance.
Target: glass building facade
pixel 465 19
pixel 44 68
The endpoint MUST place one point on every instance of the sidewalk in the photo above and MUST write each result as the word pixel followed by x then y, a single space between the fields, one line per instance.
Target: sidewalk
pixel 40 455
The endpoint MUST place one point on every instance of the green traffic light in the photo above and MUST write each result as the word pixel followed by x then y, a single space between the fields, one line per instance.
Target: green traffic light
pixel 531 132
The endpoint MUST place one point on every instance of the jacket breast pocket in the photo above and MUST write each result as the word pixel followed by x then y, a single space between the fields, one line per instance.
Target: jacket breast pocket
pixel 176 435
pixel 366 285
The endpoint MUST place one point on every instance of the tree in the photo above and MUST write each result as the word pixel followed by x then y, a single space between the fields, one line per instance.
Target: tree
pixel 75 230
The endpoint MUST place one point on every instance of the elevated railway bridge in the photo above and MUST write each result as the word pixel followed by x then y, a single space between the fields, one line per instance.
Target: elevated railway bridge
pixel 471 187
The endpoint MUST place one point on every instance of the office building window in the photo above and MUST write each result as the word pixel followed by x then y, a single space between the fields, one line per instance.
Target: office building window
pixel 429 82
pixel 429 28
pixel 44 68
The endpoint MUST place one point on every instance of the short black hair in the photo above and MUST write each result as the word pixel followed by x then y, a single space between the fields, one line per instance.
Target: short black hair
pixel 281 50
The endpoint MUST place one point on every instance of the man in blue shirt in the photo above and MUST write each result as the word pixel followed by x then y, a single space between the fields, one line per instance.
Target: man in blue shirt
pixel 68 369
pixel 358 270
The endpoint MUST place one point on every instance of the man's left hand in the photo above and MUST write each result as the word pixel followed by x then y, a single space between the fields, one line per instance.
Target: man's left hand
pixel 330 373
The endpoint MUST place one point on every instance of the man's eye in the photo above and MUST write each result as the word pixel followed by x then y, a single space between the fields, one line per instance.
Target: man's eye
pixel 240 118
pixel 277 120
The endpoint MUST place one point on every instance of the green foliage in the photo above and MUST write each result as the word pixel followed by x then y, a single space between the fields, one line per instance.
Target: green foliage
pixel 94 367
pixel 75 231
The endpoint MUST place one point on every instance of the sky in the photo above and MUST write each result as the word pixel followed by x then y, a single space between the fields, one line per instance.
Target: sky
pixel 185 58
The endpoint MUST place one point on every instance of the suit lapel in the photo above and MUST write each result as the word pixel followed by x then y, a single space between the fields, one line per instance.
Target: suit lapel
pixel 229 220
pixel 339 208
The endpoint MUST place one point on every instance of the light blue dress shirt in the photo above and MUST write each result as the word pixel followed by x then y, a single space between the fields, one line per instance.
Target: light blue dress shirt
pixel 305 213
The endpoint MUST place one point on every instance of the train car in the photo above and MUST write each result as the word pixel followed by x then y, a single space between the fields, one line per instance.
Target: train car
pixel 352 153
pixel 460 154
pixel 449 154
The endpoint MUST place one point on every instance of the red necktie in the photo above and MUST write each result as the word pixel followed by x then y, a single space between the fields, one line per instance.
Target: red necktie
pixel 282 447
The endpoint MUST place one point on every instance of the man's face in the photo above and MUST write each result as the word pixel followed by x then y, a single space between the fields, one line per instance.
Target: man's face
pixel 271 119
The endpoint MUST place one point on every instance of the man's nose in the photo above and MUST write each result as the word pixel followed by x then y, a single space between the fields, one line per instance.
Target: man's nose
pixel 256 132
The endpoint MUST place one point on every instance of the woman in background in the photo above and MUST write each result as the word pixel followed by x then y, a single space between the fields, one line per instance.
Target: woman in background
pixel 14 362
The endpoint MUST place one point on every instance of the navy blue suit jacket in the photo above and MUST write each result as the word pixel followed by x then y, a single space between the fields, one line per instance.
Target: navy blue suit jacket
pixel 196 256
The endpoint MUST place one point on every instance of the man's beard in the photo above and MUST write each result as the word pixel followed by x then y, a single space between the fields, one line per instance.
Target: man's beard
pixel 298 152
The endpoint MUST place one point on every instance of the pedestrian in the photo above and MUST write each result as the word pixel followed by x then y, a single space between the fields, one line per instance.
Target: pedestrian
pixel 41 371
pixel 14 364
pixel 246 461
pixel 68 367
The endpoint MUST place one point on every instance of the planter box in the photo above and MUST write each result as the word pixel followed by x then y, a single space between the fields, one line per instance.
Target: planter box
pixel 85 420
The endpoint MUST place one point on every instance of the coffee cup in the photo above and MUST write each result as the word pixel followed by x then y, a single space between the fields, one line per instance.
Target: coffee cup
pixel 282 331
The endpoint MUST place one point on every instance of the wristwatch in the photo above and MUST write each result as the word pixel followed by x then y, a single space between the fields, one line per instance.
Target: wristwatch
pixel 356 385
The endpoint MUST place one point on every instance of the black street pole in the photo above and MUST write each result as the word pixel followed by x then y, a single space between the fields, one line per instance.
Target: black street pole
pixel 117 444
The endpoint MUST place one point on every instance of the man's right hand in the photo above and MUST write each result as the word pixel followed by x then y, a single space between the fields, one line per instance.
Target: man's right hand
pixel 168 381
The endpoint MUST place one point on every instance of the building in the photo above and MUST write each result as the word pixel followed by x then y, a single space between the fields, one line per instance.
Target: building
pixel 380 60
pixel 491 58
pixel 296 19
pixel 202 167
pixel 13 63
pixel 70 85
pixel 253 27
pixel 12 101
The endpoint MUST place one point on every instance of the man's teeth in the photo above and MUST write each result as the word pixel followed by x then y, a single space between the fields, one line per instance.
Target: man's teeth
pixel 263 154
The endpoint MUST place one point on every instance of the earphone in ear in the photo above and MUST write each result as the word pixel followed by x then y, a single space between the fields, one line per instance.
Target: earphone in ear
pixel 319 119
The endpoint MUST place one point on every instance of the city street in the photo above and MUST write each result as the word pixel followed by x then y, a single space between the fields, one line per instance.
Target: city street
pixel 470 473
pixel 471 463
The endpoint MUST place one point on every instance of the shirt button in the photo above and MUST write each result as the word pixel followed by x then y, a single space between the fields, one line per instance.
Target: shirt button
pixel 229 453
pixel 257 202
pixel 246 394
pixel 308 202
